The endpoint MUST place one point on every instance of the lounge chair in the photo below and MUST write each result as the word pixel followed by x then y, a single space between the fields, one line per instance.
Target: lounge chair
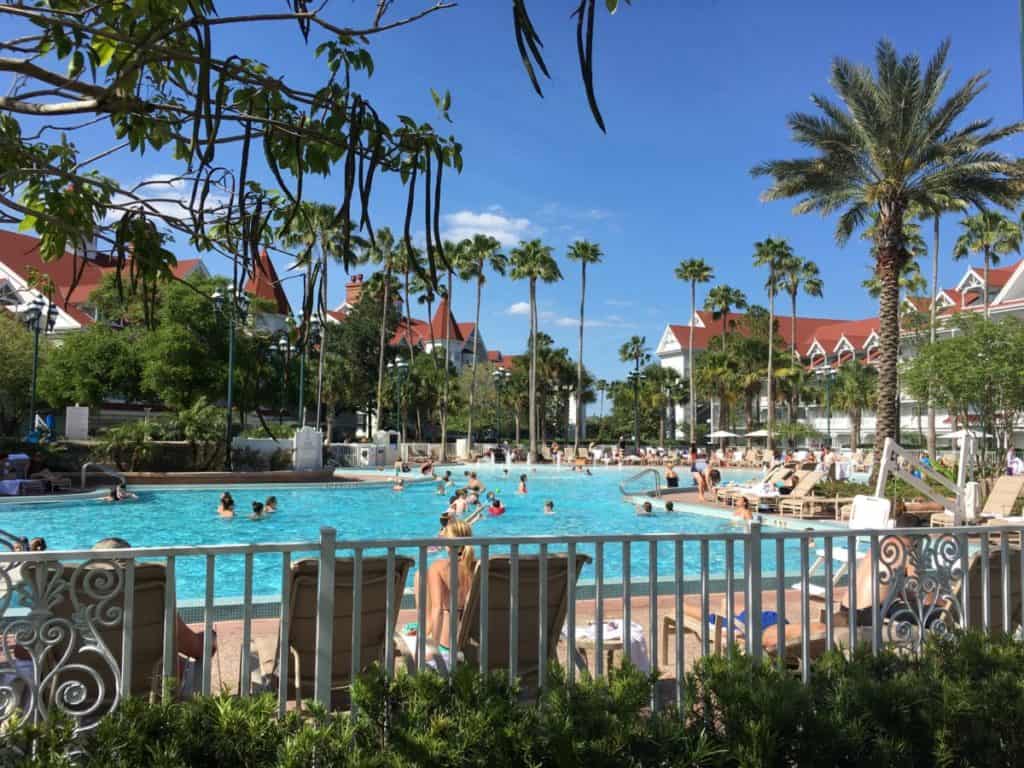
pixel 147 629
pixel 499 590
pixel 728 494
pixel 801 499
pixel 52 480
pixel 302 624
pixel 998 504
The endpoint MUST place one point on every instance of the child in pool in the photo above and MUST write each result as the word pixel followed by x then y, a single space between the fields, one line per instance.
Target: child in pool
pixel 270 505
pixel 549 507
pixel 522 485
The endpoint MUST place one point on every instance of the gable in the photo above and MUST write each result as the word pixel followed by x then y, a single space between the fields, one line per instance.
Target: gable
pixel 669 344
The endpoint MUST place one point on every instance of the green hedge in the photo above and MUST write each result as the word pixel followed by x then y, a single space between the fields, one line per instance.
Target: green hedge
pixel 960 704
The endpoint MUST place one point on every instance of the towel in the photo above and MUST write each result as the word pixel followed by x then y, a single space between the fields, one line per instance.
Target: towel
pixel 612 632
pixel 768 619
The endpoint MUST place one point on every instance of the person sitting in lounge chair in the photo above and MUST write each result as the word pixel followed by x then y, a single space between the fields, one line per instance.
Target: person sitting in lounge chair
pixel 439 588
pixel 188 642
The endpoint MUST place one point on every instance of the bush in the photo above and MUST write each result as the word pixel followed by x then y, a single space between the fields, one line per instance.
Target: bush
pixel 127 446
pixel 960 703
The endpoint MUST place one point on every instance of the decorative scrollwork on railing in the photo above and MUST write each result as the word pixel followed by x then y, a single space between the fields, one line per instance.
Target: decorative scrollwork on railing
pixel 60 641
pixel 919 588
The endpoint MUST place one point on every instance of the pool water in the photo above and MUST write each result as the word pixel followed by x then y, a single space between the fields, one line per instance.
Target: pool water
pixel 584 505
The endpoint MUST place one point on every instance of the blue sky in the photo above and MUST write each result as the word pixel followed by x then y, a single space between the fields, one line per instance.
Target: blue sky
pixel 693 93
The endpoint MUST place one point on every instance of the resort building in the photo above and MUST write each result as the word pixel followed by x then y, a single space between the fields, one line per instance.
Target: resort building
pixel 24 277
pixel 826 343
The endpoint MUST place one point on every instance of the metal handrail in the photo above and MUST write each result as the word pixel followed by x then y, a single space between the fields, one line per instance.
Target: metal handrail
pixel 637 476
pixel 102 468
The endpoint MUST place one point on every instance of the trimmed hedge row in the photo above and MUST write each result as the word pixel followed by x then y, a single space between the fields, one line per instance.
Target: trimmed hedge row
pixel 961 703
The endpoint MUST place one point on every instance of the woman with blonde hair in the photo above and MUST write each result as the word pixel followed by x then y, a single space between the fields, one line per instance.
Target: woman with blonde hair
pixel 439 588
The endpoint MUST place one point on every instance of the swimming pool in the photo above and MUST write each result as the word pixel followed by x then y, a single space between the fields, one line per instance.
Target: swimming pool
pixel 584 505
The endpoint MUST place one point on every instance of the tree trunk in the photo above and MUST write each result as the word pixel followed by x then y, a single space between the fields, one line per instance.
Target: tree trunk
pixel 408 319
pixel 472 379
pixel 383 342
pixel 533 370
pixel 447 373
pixel 855 417
pixel 689 362
pixel 771 361
pixel 931 332
pixel 794 396
pixel 988 259
pixel 419 425
pixel 888 269
pixel 323 338
pixel 579 365
pixel 518 431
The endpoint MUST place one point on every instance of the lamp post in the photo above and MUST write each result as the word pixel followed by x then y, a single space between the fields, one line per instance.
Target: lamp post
pixel 236 312
pixel 284 347
pixel 827 373
pixel 398 368
pixel 500 376
pixel 38 321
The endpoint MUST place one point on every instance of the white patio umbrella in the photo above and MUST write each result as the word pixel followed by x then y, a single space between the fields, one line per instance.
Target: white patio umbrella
pixel 757 433
pixel 721 434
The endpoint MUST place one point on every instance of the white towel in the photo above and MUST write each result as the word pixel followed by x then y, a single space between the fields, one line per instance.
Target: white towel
pixel 613 633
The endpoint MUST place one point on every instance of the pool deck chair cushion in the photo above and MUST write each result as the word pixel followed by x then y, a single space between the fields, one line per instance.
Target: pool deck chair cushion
pixel 527 590
pixel 302 622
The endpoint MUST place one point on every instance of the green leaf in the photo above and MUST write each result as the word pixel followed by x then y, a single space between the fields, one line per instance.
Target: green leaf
pixel 77 64
pixel 27 223
pixel 612 5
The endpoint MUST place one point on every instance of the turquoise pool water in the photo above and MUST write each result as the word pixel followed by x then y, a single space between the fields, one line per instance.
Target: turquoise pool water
pixel 161 517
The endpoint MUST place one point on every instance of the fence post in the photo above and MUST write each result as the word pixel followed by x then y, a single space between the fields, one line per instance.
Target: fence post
pixel 754 587
pixel 325 616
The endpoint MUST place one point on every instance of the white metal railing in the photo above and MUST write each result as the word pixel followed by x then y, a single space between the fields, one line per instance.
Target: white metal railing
pixel 76 625
pixel 642 473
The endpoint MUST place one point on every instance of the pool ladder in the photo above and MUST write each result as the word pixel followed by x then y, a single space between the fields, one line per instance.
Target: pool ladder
pixel 102 468
pixel 637 476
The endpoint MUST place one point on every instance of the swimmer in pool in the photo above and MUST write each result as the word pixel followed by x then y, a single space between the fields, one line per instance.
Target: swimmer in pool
pixel 549 507
pixel 645 510
pixel 258 511
pixel 227 505
pixel 440 488
pixel 522 485
pixel 270 505
pixel 399 484
pixel 670 507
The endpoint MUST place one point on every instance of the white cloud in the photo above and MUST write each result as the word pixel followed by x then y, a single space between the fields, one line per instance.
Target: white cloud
pixel 549 318
pixel 519 308
pixel 167 196
pixel 507 230
pixel 618 303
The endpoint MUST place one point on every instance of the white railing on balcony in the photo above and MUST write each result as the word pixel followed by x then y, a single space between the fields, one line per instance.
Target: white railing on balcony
pixel 81 630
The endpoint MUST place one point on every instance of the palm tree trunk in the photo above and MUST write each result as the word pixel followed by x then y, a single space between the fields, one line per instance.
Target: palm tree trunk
pixel 888 269
pixel 533 370
pixel 988 258
pixel 855 418
pixel 518 430
pixel 472 380
pixel 408 319
pixel 383 341
pixel 323 341
pixel 579 364
pixel 931 331
pixel 447 374
pixel 689 363
pixel 771 361
pixel 794 396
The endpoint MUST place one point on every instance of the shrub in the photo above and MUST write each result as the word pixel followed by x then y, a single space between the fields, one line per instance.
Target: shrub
pixel 249 460
pixel 960 703
pixel 281 459
pixel 127 445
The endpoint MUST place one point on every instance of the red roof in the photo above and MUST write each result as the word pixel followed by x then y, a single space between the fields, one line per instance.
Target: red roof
pixel 416 330
pixel 444 316
pixel 501 361
pixel 266 285
pixel 1000 276
pixel 857 332
pixel 21 252
pixel 466 329
pixel 805 329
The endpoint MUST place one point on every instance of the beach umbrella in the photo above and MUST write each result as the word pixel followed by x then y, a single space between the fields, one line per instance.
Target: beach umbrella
pixel 960 434
pixel 721 434
pixel 757 433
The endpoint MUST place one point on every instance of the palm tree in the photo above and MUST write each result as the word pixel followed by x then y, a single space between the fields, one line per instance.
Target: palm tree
pixel 532 261
pixel 482 251
pixel 989 233
pixel 721 300
pixel 854 392
pixel 316 229
pixel 383 252
pixel 602 387
pixel 693 271
pixel 635 351
pixel 799 273
pixel 408 262
pixel 940 205
pixel 585 253
pixel 776 255
pixel 891 144
pixel 453 256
